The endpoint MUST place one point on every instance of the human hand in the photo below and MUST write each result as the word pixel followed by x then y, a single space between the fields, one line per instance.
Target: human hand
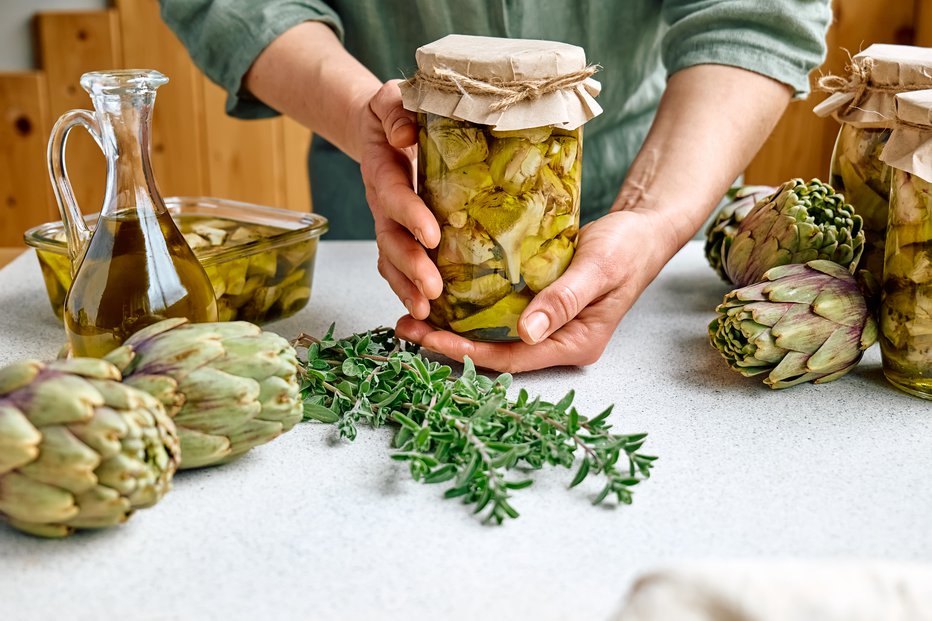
pixel 403 223
pixel 571 321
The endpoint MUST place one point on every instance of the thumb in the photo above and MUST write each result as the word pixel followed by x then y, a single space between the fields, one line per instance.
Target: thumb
pixel 560 302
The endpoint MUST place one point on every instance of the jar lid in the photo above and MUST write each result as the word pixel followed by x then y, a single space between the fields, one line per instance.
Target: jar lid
pixel 508 84
pixel 864 97
pixel 910 145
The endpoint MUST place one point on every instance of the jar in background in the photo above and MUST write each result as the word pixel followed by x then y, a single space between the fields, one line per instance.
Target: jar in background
pixel 906 298
pixel 500 170
pixel 863 102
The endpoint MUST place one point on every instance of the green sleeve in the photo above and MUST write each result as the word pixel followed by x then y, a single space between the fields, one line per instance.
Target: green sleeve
pixel 224 37
pixel 781 39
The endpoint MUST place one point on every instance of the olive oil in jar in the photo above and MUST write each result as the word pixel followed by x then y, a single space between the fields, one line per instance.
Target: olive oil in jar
pixel 137 270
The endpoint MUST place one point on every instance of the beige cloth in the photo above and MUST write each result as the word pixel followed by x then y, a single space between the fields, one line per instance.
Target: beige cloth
pixel 783 591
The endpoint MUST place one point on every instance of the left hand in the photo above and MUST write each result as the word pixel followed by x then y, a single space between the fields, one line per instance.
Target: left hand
pixel 571 321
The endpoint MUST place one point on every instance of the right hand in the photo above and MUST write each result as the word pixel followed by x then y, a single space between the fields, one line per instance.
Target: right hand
pixel 404 225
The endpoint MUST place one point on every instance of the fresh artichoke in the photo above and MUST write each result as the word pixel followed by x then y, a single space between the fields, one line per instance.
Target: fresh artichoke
pixel 864 180
pixel 77 448
pixel 906 303
pixel 228 386
pixel 738 203
pixel 800 222
pixel 802 323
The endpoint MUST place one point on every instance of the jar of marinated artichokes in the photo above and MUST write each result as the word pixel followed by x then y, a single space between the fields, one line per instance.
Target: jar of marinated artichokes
pixel 499 165
pixel 863 102
pixel 906 302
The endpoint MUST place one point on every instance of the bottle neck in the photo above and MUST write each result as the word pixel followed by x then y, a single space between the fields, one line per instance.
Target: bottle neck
pixel 125 128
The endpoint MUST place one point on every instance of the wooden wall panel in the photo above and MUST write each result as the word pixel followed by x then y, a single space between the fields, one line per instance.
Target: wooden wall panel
pixel 25 194
pixel 801 145
pixel 923 22
pixel 70 44
pixel 177 134
pixel 244 158
pixel 297 139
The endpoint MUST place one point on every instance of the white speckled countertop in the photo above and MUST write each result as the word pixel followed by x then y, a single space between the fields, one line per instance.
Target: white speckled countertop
pixel 310 527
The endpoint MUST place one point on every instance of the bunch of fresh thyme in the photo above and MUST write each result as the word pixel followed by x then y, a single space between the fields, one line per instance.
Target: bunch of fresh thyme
pixel 462 430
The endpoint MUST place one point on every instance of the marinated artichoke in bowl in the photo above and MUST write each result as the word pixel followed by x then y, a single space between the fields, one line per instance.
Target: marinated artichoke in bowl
pixel 858 173
pixel 508 207
pixel 260 272
pixel 906 302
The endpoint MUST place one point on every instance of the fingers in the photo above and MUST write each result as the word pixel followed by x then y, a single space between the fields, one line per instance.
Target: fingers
pixel 400 125
pixel 407 256
pixel 407 292
pixel 573 348
pixel 563 300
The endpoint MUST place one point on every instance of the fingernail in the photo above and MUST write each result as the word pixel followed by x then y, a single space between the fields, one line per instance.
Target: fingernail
pixel 420 287
pixel 536 325
pixel 409 305
pixel 419 235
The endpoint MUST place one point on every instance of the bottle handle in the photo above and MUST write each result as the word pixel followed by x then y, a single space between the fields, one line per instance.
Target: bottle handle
pixel 76 231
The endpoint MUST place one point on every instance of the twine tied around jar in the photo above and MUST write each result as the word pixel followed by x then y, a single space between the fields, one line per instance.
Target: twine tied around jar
pixel 859 82
pixel 509 93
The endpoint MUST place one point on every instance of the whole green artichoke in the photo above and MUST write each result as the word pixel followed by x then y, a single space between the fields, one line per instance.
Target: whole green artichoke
pixel 801 222
pixel 802 323
pixel 77 448
pixel 228 386
pixel 738 203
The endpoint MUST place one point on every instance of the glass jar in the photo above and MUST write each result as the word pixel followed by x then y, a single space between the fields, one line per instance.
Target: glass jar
pixel 906 303
pixel 864 180
pixel 508 206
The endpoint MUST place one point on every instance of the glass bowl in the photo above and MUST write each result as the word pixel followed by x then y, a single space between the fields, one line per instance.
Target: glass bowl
pixel 260 260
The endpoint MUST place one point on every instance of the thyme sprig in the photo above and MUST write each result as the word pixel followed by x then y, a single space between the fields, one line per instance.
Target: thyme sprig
pixel 463 430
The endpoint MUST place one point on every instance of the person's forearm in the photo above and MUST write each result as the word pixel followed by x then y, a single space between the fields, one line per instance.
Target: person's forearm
pixel 308 75
pixel 711 121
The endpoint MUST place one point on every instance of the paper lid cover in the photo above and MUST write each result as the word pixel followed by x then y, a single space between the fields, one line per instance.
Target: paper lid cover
pixel 865 98
pixel 910 145
pixel 506 83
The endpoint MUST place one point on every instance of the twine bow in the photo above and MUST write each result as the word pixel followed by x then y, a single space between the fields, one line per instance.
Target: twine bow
pixel 508 93
pixel 858 81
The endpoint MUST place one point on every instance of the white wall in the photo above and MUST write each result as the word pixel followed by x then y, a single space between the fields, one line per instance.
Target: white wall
pixel 16 32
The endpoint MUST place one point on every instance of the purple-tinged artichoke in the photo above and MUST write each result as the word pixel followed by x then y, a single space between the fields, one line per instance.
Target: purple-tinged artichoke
pixel 801 222
pixel 802 323
pixel 738 203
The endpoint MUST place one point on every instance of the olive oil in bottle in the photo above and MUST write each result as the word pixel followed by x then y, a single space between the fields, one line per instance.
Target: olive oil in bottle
pixel 136 268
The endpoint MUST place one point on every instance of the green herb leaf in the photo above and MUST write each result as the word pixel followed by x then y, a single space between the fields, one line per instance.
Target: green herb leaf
pixel 462 431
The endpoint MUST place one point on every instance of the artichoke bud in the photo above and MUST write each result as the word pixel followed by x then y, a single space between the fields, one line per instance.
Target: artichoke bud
pixel 801 323
pixel 88 464
pixel 800 222
pixel 213 378
pixel 459 144
pixel 738 203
